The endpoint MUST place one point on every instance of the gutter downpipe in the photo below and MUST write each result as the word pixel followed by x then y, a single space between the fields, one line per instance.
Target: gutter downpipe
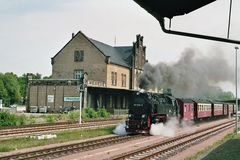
pixel 162 24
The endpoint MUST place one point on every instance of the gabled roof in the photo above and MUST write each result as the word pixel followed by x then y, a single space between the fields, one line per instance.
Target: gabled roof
pixel 126 53
pixel 121 55
pixel 118 55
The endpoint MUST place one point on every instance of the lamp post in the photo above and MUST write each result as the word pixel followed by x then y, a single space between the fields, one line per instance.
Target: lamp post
pixel 236 48
pixel 80 107
pixel 82 88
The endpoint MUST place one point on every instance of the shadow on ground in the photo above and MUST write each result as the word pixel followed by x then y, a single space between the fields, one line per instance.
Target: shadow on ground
pixel 229 150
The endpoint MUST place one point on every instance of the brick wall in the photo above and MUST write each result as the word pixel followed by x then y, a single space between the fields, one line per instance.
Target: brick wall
pixel 63 65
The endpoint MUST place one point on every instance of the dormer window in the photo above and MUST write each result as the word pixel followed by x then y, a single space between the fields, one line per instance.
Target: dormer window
pixel 78 55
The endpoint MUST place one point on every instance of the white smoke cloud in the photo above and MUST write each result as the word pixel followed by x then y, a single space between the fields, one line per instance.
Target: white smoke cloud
pixel 171 128
pixel 120 129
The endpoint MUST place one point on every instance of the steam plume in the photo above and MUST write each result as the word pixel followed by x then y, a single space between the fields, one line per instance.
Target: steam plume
pixel 192 75
pixel 171 128
pixel 120 129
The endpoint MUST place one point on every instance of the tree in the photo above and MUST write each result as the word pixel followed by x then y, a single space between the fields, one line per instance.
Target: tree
pixel 3 91
pixel 47 77
pixel 36 76
pixel 13 89
pixel 22 81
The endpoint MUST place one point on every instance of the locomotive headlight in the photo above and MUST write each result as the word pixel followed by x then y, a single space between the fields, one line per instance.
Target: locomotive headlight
pixel 143 116
pixel 129 115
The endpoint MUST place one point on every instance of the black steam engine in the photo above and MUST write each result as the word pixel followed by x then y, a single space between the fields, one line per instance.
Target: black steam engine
pixel 149 108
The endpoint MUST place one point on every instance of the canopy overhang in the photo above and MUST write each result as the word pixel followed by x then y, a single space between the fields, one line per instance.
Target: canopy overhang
pixel 171 8
pixel 161 9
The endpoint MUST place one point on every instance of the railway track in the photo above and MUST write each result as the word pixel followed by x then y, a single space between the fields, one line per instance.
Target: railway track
pixel 54 152
pixel 6 132
pixel 171 146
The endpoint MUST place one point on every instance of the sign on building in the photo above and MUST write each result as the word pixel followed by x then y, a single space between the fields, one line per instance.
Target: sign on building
pixel 71 99
pixel 50 98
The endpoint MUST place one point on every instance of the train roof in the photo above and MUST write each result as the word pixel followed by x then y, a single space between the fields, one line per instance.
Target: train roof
pixel 232 101
pixel 201 101
pixel 217 102
pixel 185 100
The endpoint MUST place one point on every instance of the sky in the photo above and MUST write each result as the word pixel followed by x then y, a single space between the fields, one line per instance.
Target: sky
pixel 33 31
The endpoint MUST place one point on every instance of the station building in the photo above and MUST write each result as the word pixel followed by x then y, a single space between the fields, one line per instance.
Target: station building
pixel 111 74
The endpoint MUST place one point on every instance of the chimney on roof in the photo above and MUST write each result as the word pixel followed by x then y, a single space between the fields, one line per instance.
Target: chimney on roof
pixel 73 35
pixel 107 59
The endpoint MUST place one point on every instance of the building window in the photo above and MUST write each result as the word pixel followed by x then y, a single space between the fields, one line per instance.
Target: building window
pixel 114 78
pixel 78 56
pixel 78 74
pixel 124 80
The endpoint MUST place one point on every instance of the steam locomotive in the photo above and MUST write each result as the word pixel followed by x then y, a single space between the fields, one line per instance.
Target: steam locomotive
pixel 150 108
pixel 147 108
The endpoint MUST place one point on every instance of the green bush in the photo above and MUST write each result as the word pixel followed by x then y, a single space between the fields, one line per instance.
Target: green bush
pixel 31 120
pixel 51 119
pixel 21 120
pixel 73 116
pixel 90 113
pixel 7 119
pixel 103 113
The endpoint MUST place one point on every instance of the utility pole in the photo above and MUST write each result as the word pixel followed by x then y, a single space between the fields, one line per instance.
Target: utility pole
pixel 236 48
pixel 80 106
pixel 82 87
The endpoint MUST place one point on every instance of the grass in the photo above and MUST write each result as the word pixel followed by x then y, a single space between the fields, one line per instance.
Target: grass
pixel 65 136
pixel 226 149
pixel 8 119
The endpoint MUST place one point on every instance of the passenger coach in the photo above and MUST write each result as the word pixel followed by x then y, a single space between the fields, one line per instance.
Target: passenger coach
pixel 186 109
pixel 203 109
pixel 217 109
